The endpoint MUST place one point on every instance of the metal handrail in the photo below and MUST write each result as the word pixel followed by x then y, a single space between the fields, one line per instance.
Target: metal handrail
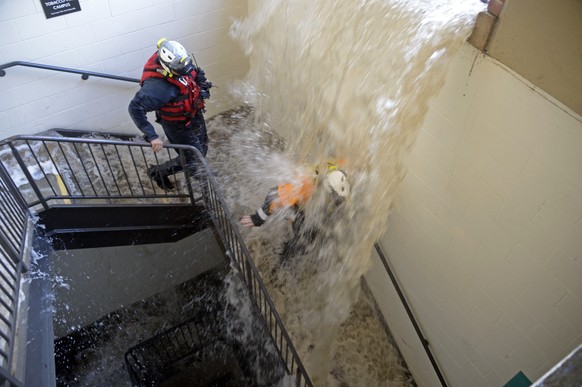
pixel 74 171
pixel 423 340
pixel 240 255
pixel 14 224
pixel 84 73
pixel 68 173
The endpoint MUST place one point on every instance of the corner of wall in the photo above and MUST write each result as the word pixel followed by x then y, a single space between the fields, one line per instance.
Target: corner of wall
pixel 485 25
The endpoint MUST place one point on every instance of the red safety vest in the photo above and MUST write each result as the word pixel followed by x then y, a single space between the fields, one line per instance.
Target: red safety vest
pixel 185 105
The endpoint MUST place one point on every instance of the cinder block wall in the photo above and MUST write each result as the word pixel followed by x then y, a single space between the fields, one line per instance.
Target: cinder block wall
pixel 486 239
pixel 114 36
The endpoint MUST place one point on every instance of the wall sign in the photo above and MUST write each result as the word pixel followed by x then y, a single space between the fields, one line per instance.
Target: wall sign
pixel 54 8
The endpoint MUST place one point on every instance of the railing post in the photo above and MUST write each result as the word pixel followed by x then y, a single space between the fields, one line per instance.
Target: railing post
pixel 187 174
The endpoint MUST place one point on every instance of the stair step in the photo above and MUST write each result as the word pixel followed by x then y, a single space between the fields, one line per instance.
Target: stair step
pixel 75 227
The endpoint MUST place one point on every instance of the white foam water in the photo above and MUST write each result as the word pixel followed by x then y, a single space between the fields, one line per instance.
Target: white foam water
pixel 339 79
pixel 363 353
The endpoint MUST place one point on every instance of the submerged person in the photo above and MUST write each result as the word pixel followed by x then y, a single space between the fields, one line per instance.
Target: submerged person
pixel 173 87
pixel 294 196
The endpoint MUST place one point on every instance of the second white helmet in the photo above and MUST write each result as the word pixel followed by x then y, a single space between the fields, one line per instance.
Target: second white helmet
pixel 337 182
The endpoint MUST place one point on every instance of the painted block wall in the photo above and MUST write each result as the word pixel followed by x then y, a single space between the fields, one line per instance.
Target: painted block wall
pixel 486 237
pixel 116 37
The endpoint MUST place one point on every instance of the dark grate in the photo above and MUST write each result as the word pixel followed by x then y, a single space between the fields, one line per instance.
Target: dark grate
pixel 191 350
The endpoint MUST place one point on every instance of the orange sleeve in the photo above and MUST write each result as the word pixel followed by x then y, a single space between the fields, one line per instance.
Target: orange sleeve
pixel 290 194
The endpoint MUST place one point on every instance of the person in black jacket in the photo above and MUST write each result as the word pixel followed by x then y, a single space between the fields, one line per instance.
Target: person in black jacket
pixel 173 87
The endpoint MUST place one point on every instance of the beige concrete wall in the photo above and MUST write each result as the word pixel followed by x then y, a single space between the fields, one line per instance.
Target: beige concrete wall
pixel 486 238
pixel 117 37
pixel 542 41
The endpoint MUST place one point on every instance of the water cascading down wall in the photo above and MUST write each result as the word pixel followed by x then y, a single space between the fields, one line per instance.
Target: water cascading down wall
pixel 348 80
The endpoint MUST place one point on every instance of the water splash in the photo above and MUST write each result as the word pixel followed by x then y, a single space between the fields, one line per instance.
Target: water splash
pixel 240 153
pixel 351 80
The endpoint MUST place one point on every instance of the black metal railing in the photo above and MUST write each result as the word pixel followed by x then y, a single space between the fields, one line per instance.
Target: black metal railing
pixel 147 362
pixel 14 228
pixel 43 171
pixel 423 340
pixel 239 254
pixel 84 73
pixel 80 171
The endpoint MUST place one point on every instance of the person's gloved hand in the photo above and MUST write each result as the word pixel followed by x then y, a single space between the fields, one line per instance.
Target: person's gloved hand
pixel 200 77
pixel 205 89
pixel 253 220
pixel 203 83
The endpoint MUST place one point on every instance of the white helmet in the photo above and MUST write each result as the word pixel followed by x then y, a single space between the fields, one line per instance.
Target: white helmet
pixel 337 182
pixel 174 58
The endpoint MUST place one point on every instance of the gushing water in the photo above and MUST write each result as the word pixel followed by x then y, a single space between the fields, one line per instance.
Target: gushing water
pixel 340 79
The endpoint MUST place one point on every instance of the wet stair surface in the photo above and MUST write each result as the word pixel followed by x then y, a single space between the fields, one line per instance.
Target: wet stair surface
pixel 94 355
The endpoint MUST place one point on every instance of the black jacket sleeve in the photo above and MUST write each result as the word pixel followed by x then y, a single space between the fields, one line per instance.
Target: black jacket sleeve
pixel 153 94
pixel 203 83
pixel 262 213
